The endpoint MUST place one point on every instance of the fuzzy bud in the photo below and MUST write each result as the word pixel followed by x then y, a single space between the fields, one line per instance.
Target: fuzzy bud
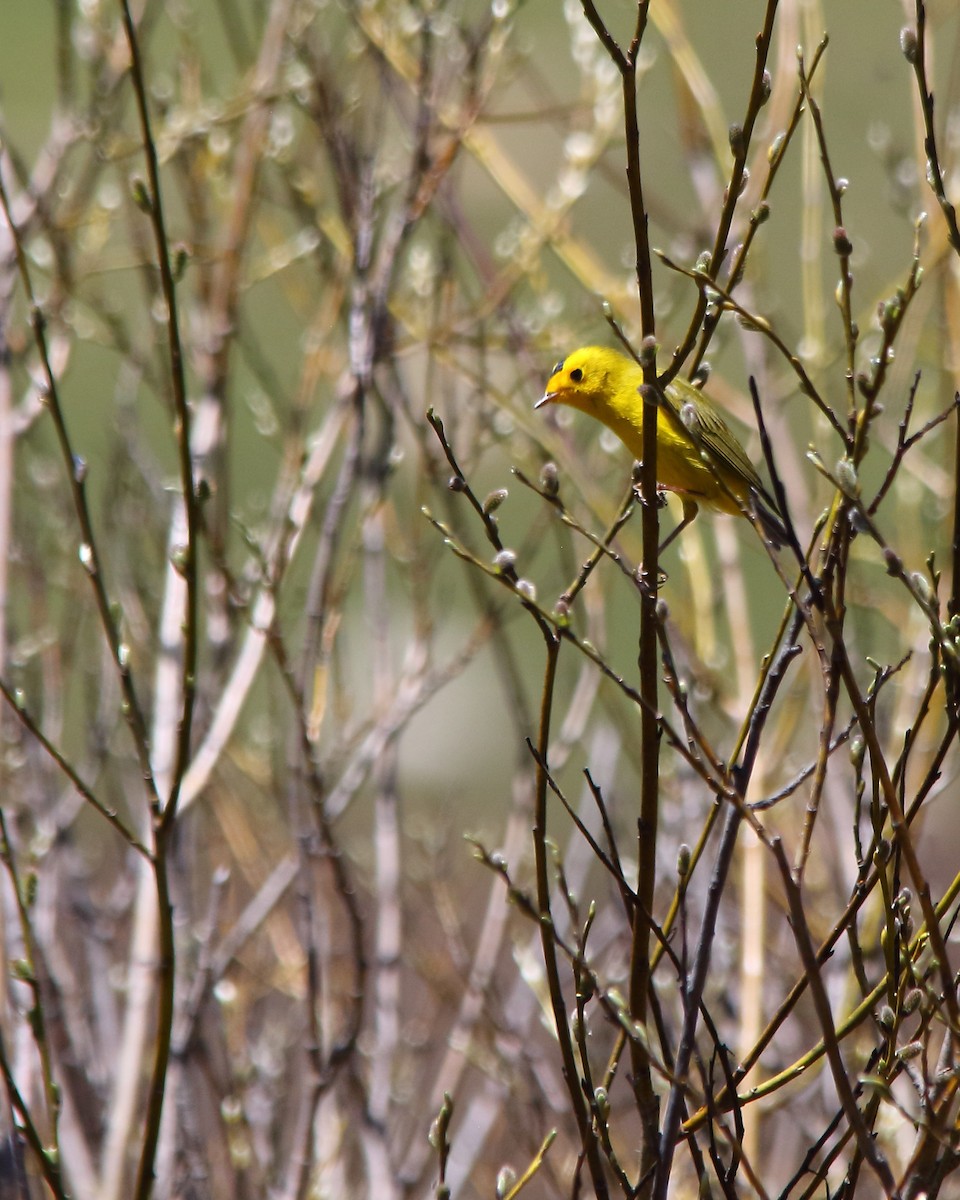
pixel 689 416
pixel 141 197
pixel 506 1181
pixel 847 477
pixel 494 500
pixel 505 561
pixel 841 242
pixel 761 213
pixel 550 478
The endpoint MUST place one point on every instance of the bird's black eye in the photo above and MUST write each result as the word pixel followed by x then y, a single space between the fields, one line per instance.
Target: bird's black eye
pixel 558 368
pixel 576 374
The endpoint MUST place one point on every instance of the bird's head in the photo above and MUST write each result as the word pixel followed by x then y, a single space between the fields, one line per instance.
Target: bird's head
pixel 586 379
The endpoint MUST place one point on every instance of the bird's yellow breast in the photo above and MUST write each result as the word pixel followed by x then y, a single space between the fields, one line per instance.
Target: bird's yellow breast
pixel 690 431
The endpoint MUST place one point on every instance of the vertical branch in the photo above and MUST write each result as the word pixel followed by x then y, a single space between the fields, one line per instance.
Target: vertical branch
pixel 31 972
pixel 740 140
pixel 828 721
pixel 640 965
pixel 753 855
pixel 841 242
pixel 7 282
pixel 571 1075
pixel 913 42
pixel 185 559
pixel 91 559
pixel 184 563
pixel 389 930
pixel 212 359
pixel 953 601
pixel 47 1163
pixel 914 46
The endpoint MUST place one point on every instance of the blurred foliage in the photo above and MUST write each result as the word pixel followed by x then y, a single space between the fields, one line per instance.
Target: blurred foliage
pixel 372 212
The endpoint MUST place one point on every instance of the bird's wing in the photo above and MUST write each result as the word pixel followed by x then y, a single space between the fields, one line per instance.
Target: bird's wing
pixel 711 428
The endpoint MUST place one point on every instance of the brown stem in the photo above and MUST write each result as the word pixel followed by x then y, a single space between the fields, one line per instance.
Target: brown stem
pixel 571 1075
pixel 868 1147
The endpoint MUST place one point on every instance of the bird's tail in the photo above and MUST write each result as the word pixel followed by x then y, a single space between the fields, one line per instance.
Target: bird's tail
pixel 773 527
pixel 778 535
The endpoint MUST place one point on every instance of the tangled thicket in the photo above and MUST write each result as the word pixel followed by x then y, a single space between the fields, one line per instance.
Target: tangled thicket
pixel 297 589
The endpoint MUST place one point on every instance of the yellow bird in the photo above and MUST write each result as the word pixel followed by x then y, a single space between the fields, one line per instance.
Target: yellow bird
pixel 698 456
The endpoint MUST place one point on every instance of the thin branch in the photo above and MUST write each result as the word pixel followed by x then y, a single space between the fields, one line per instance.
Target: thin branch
pixel 186 561
pixel 866 1143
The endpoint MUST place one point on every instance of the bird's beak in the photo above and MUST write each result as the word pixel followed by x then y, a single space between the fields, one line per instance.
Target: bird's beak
pixel 546 398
